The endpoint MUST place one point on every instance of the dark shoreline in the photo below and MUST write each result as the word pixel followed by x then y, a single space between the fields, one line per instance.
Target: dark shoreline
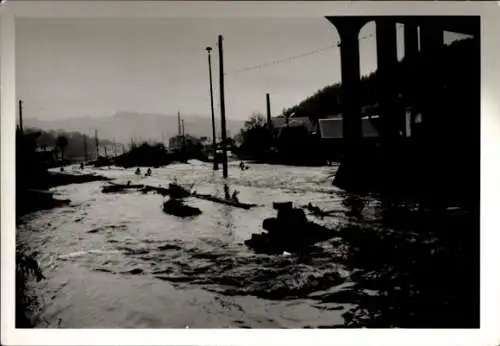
pixel 31 200
pixel 60 179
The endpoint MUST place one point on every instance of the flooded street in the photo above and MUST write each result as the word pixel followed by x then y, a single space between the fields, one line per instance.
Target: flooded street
pixel 117 260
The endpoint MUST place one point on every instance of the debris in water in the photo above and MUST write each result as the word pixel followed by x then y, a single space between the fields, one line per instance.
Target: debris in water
pixel 134 271
pixel 104 270
pixel 178 208
pixel 130 251
pixel 169 247
pixel 290 231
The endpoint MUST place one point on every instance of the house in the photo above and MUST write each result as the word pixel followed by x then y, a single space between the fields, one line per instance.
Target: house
pixel 44 148
pixel 186 142
pixel 280 122
pixel 331 127
pixel 175 143
pixel 303 121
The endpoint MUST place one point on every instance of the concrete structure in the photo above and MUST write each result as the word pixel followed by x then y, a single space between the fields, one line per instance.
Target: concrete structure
pixel 431 39
pixel 423 42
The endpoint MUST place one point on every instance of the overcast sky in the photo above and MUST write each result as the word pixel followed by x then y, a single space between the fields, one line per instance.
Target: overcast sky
pixel 96 67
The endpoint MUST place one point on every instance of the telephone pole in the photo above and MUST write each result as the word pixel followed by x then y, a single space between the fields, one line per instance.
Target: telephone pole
pixel 85 147
pixel 96 145
pixel 183 134
pixel 214 139
pixel 222 109
pixel 269 122
pixel 179 123
pixel 21 116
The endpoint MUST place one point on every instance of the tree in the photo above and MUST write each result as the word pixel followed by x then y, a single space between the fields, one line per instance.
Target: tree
pixel 75 147
pixel 257 120
pixel 255 137
pixel 160 147
pixel 62 143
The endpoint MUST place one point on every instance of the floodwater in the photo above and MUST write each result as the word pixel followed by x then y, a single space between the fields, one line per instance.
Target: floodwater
pixel 118 261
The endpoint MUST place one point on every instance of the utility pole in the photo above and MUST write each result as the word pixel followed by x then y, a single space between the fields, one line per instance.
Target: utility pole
pixel 96 145
pixel 183 134
pixel 179 123
pixel 85 147
pixel 269 122
pixel 222 109
pixel 21 117
pixel 214 139
pixel 179 131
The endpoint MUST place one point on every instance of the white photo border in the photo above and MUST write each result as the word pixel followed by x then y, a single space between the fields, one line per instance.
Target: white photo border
pixel 488 334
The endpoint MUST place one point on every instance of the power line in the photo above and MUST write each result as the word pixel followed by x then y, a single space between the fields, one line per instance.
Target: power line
pixel 292 58
pixel 280 61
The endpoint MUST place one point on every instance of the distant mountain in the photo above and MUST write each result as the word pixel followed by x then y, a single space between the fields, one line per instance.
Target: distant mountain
pixel 140 126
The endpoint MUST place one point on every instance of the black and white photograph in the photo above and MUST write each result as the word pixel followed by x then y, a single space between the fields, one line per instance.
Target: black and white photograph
pixel 247 172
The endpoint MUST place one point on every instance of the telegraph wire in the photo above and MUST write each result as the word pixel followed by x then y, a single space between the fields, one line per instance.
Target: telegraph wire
pixel 281 61
pixel 291 58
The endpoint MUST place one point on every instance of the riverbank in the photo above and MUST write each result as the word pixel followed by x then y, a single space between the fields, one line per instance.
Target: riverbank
pixel 27 272
pixel 30 200
pixel 60 179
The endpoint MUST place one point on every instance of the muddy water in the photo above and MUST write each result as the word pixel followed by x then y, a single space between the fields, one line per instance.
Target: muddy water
pixel 116 260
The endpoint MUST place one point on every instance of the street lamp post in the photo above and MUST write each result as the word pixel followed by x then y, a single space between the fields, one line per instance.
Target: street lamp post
pixel 214 139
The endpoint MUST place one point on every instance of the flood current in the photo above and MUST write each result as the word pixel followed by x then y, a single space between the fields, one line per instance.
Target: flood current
pixel 117 260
